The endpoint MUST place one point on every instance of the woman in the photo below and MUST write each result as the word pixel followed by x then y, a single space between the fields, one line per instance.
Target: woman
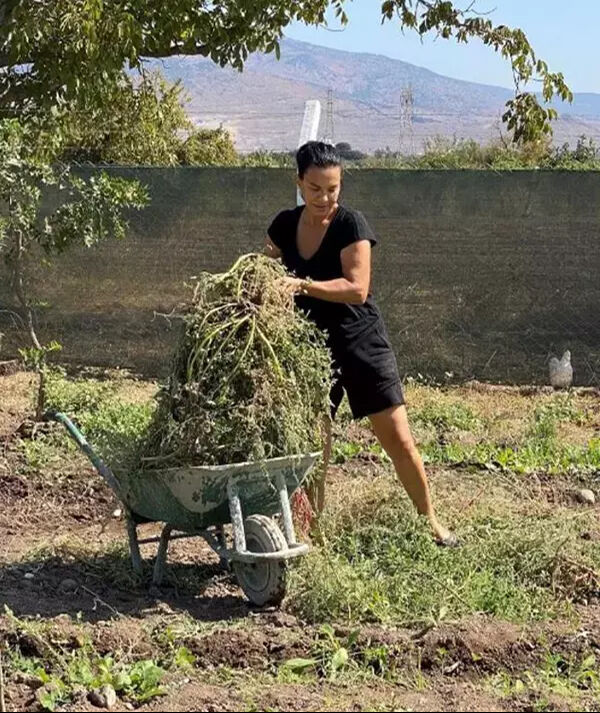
pixel 328 247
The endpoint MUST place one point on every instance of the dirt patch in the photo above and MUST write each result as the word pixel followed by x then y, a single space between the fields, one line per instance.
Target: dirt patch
pixel 478 644
pixel 124 634
pixel 15 401
pixel 258 649
pixel 12 488
pixel 439 696
pixel 198 696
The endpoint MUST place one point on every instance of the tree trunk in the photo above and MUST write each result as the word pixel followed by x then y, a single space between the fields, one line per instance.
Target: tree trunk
pixel 18 282
pixel 19 288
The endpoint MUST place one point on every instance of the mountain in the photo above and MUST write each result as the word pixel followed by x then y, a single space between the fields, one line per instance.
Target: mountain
pixel 263 105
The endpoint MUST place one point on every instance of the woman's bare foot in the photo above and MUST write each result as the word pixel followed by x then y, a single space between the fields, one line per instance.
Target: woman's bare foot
pixel 443 536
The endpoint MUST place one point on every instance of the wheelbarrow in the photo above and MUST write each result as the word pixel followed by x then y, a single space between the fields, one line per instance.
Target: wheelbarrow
pixel 199 500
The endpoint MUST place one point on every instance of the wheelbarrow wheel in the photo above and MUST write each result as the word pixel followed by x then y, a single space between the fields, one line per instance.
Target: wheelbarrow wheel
pixel 262 582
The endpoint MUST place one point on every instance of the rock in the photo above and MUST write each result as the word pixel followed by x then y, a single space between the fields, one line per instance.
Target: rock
pixel 78 695
pixel 586 497
pixel 29 575
pixel 28 680
pixel 96 698
pixel 9 367
pixel 68 585
pixel 110 695
pixel 106 697
pixel 282 620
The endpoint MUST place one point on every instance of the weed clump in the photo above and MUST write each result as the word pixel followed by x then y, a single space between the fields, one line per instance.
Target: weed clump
pixel 250 378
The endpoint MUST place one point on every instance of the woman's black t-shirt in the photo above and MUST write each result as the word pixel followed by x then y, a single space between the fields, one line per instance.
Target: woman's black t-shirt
pixel 343 322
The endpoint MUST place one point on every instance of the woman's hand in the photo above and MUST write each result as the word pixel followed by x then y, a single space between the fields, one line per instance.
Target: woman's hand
pixel 271 250
pixel 292 285
pixel 352 288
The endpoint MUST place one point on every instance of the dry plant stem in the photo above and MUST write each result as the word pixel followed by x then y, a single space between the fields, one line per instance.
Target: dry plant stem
pixel 2 701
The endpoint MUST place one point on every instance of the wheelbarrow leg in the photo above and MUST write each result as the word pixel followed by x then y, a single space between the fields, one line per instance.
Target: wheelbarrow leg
pixel 237 517
pixel 220 536
pixel 286 510
pixel 134 547
pixel 221 546
pixel 161 556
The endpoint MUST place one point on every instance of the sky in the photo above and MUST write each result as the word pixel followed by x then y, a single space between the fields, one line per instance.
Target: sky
pixel 562 32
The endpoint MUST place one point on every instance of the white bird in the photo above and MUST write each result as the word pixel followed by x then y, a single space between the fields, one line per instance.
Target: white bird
pixel 561 371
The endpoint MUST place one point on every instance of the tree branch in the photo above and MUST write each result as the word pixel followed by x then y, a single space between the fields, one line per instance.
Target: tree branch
pixel 72 64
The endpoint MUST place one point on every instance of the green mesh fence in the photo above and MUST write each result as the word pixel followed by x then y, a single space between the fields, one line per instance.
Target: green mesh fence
pixel 479 274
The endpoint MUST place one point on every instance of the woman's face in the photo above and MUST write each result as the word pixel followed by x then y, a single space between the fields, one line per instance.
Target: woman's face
pixel 320 188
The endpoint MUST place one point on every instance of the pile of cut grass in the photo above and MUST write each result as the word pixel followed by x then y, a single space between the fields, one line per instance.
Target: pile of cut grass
pixel 250 379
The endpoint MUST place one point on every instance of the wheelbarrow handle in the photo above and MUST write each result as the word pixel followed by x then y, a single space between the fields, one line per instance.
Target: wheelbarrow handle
pixel 84 446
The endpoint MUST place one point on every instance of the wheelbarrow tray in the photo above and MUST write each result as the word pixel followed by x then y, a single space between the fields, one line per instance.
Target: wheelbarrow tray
pixel 199 500
pixel 193 498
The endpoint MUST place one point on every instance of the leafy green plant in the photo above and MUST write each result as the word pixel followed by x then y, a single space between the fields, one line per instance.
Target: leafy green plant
pixel 115 426
pixel 88 212
pixel 447 416
pixel 331 656
pixel 343 451
pixel 63 671
pixel 567 675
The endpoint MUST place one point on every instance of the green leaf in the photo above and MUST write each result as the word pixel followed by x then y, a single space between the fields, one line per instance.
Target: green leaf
pixel 519 686
pixel 150 693
pixel 339 659
pixel 353 638
pixel 328 631
pixel 589 662
pixel 121 681
pixel 300 665
pixel 184 658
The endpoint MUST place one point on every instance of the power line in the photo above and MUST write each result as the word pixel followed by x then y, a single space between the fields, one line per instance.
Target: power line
pixel 328 136
pixel 406 114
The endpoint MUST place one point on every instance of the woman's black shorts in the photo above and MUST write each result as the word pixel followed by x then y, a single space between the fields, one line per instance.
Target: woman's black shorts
pixel 366 369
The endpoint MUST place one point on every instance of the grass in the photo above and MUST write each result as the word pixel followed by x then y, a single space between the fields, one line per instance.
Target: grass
pixel 452 427
pixel 503 466
pixel 523 557
pixel 515 460
pixel 112 415
pixel 574 677
pixel 110 563
pixel 446 416
pixel 524 436
pixel 384 567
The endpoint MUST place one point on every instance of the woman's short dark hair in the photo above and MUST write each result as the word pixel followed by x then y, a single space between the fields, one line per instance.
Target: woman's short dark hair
pixel 316 153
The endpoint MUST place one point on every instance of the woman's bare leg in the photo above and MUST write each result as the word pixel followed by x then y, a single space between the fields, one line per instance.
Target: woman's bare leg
pixel 393 432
